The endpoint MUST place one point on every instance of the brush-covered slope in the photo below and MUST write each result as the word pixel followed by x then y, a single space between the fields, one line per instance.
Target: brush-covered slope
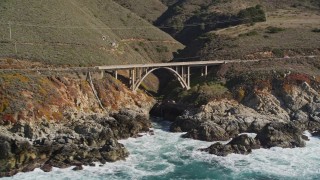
pixel 150 10
pixel 286 33
pixel 80 33
pixel 208 15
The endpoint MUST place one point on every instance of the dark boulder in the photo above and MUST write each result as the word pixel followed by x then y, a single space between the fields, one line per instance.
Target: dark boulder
pixel 285 135
pixel 168 110
pixel 242 144
pixel 78 168
pixel 113 151
pixel 316 133
pixel 46 168
pixel 129 124
pixel 208 131
pixel 184 125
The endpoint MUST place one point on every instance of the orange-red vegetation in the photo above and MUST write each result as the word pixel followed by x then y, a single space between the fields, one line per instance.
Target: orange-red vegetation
pixel 34 97
pixel 8 118
pixel 263 85
pixel 297 79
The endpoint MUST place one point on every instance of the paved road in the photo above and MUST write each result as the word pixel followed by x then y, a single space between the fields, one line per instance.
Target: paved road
pixel 154 65
pixel 172 64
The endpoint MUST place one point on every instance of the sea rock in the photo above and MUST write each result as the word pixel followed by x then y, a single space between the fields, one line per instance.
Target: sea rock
pixel 79 141
pixel 316 133
pixel 208 131
pixel 281 135
pixel 46 168
pixel 169 110
pixel 129 123
pixel 183 124
pixel 242 144
pixel 228 117
pixel 113 151
pixel 78 168
pixel 16 155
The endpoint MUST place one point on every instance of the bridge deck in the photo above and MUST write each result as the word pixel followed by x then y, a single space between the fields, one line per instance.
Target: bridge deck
pixel 171 64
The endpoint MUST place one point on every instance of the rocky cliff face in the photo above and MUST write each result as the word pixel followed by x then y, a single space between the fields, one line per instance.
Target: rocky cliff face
pixel 59 121
pixel 278 113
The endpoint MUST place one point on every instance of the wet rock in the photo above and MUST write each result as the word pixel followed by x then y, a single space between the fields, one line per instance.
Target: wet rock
pixel 208 131
pixel 78 168
pixel 242 144
pixel 304 137
pixel 281 135
pixel 229 115
pixel 316 133
pixel 184 125
pixel 151 132
pixel 46 168
pixel 113 151
pixel 92 164
pixel 129 123
pixel 168 110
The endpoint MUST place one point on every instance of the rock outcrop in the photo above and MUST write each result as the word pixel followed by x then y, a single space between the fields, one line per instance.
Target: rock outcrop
pixel 59 123
pixel 221 120
pixel 281 135
pixel 272 135
pixel 278 117
pixel 73 143
pixel 316 133
pixel 242 144
pixel 208 131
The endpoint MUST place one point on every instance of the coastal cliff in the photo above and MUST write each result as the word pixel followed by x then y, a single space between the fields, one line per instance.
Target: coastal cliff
pixel 277 106
pixel 57 121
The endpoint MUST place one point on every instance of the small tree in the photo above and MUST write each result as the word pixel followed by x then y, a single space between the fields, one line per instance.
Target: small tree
pixel 252 15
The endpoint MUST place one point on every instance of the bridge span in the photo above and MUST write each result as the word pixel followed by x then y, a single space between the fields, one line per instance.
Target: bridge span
pixel 181 70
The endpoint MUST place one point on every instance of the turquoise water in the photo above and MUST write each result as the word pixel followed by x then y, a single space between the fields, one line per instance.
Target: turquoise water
pixel 167 156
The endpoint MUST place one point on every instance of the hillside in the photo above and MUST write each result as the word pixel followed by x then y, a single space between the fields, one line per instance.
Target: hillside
pixel 150 10
pixel 285 33
pixel 80 33
pixel 188 19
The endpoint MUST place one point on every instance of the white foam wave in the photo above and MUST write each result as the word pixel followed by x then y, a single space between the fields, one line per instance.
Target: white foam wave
pixel 277 162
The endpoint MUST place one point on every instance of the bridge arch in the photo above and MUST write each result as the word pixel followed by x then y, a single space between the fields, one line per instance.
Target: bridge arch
pixel 182 81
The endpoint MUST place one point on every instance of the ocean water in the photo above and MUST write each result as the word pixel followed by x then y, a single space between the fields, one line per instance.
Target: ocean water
pixel 168 156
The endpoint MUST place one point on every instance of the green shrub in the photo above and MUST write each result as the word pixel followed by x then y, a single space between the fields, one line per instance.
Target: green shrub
pixel 252 15
pixel 278 53
pixel 161 49
pixel 273 30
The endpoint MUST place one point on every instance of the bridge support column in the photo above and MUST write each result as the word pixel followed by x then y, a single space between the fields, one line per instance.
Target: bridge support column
pixel 188 78
pixel 130 77
pixel 115 74
pixel 132 83
pixel 139 73
pixel 204 71
pixel 102 75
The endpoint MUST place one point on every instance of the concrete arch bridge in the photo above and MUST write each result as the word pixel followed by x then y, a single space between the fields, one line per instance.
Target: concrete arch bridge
pixel 181 70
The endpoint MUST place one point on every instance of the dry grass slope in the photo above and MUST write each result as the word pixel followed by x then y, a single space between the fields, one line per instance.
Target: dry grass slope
pixel 71 33
pixel 150 10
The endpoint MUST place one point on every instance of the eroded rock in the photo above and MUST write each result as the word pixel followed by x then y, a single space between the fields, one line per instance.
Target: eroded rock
pixel 242 144
pixel 281 135
pixel 208 131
